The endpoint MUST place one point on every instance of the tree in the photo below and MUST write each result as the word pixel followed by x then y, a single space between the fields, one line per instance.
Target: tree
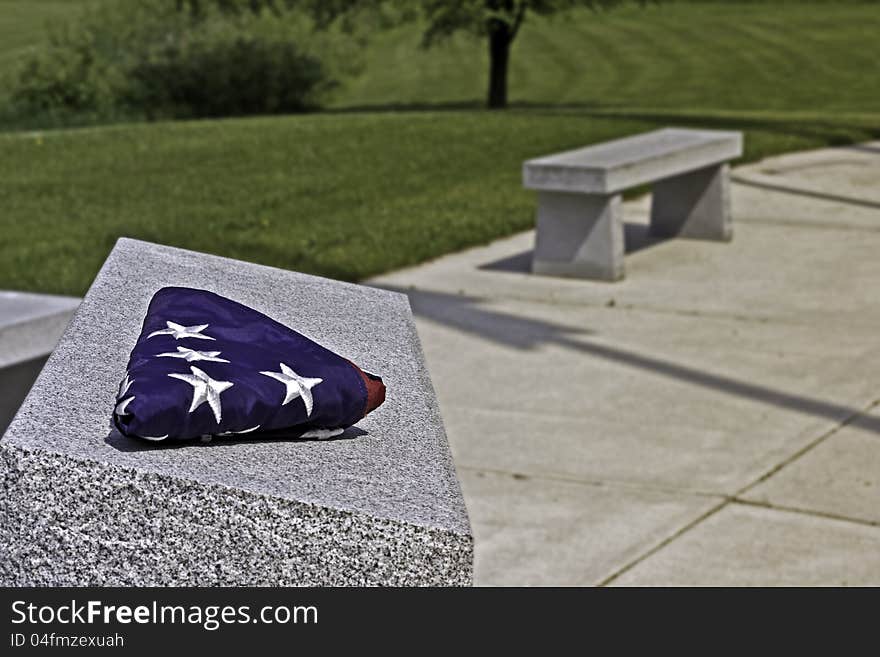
pixel 498 21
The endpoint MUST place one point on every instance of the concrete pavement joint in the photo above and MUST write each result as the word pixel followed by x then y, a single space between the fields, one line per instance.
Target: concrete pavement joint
pixel 804 512
pixel 808 447
pixel 662 544
pixel 736 499
pixel 803 191
pixel 815 225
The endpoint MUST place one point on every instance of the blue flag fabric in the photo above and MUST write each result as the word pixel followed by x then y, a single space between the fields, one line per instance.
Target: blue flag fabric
pixel 205 365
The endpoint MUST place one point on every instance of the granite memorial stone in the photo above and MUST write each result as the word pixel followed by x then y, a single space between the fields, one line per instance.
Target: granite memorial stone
pixel 85 505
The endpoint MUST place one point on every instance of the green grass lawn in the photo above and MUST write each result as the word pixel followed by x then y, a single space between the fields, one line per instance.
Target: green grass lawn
pixel 770 55
pixel 349 193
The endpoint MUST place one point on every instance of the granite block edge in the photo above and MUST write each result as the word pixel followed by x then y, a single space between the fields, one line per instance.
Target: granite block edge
pixel 124 244
pixel 66 521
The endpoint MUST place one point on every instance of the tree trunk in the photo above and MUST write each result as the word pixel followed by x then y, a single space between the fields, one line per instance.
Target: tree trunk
pixel 499 57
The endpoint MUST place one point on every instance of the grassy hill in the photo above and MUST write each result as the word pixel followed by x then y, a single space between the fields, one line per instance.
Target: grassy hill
pixel 770 55
pixel 352 192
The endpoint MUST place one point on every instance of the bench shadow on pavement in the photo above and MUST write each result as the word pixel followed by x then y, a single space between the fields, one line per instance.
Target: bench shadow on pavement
pixel 800 191
pixel 864 148
pixel 471 315
pixel 636 237
pixel 468 315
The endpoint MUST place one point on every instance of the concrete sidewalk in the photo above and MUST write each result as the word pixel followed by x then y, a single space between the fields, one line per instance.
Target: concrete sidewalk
pixel 713 419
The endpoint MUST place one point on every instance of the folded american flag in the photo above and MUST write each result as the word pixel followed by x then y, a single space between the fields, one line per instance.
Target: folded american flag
pixel 205 365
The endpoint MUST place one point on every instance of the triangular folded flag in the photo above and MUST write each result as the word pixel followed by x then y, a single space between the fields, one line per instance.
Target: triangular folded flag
pixel 205 365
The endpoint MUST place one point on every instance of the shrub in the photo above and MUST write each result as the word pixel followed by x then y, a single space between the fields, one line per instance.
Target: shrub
pixel 68 75
pixel 145 58
pixel 221 69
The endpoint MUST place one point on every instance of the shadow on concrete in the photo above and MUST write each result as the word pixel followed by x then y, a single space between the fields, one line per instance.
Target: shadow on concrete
pixel 520 263
pixel 866 422
pixel 125 444
pixel 15 383
pixel 465 314
pixel 799 191
pixel 864 148
pixel 636 237
pixel 752 391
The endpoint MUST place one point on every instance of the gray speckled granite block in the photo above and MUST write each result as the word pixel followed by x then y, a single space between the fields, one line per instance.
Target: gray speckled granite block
pixel 84 505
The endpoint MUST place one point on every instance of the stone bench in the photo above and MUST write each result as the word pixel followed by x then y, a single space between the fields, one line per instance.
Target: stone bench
pixel 579 219
pixel 84 505
pixel 30 325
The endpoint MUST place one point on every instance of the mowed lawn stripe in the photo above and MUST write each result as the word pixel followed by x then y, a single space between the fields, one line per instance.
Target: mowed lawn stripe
pixel 744 55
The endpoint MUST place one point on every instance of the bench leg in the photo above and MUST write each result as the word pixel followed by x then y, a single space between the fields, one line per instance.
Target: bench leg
pixel 694 205
pixel 579 236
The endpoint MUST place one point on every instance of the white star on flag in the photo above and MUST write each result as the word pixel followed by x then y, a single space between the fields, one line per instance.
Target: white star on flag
pixel 323 434
pixel 235 433
pixel 155 439
pixel 179 331
pixel 191 355
pixel 124 386
pixel 122 407
pixel 296 386
pixel 205 389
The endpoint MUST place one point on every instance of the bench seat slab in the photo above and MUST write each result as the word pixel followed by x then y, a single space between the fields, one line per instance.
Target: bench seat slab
pixel 621 164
